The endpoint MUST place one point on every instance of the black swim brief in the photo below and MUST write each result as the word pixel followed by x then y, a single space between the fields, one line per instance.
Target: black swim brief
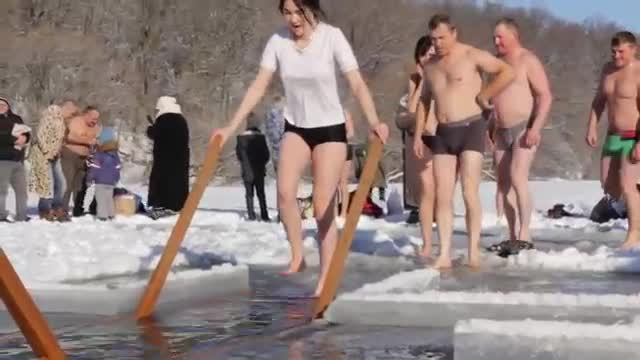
pixel 460 136
pixel 428 140
pixel 319 135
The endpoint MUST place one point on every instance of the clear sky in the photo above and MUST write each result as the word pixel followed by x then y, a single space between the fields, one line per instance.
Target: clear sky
pixel 624 12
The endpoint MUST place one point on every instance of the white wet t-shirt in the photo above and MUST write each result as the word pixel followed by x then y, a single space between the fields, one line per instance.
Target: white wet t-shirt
pixel 309 74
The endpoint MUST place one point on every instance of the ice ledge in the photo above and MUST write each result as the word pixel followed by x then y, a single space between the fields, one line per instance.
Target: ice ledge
pixel 498 298
pixel 551 329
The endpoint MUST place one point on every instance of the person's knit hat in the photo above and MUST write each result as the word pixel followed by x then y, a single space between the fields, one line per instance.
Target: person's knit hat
pixel 107 134
pixel 107 139
pixel 6 101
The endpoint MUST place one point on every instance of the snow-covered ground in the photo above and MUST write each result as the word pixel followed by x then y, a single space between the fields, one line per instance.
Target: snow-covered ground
pixel 52 254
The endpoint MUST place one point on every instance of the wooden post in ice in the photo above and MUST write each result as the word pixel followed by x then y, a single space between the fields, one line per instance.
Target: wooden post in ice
pixel 156 283
pixel 336 268
pixel 26 314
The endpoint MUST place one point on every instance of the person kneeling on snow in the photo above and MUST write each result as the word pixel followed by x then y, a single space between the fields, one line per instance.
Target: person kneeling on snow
pixel 253 153
pixel 104 171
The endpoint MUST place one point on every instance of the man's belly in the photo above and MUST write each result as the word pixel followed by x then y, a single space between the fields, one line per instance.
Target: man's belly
pixel 622 120
pixel 507 118
pixel 452 113
pixel 512 107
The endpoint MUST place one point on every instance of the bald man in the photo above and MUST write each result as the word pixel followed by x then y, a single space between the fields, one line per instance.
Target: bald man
pixel 520 113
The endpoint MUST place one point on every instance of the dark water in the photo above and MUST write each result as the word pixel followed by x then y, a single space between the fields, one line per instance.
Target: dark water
pixel 264 325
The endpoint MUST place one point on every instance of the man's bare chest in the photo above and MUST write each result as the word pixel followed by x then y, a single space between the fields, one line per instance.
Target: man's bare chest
pixel 447 75
pixel 621 85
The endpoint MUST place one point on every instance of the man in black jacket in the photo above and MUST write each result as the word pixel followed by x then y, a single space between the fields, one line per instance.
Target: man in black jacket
pixel 253 153
pixel 14 136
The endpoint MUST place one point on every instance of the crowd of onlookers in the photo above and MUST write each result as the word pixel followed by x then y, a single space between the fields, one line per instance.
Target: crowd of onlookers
pixel 71 149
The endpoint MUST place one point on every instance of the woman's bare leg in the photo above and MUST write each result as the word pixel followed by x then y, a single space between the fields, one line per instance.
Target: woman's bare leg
pixel 326 176
pixel 427 204
pixel 344 189
pixel 294 157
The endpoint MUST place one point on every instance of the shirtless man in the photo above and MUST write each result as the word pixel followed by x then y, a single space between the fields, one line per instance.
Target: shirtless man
pixel 81 135
pixel 520 113
pixel 453 79
pixel 619 92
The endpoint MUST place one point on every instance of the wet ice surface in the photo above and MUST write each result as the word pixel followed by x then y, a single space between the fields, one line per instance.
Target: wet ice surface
pixel 263 325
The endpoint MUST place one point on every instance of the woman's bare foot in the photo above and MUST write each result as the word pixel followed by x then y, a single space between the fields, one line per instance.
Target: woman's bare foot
pixel 631 241
pixel 425 252
pixel 443 263
pixel 474 262
pixel 628 245
pixel 295 266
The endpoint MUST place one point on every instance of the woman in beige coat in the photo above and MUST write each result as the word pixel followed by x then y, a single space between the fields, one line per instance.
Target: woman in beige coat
pixel 47 179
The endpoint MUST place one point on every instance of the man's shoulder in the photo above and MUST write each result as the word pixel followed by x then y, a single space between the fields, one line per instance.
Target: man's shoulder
pixel 75 122
pixel 528 57
pixel 608 68
pixel 472 53
pixel 470 50
pixel 636 68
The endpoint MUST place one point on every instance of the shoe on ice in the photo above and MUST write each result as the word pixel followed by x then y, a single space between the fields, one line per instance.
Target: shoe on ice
pixel 157 213
pixel 414 217
pixel 510 247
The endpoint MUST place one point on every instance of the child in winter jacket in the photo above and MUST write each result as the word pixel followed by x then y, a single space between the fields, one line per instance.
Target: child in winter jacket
pixel 104 171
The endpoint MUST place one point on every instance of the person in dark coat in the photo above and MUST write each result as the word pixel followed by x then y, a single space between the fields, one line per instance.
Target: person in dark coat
pixel 253 154
pixel 14 136
pixel 169 179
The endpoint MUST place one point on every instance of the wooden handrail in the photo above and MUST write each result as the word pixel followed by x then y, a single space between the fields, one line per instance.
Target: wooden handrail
pixel 25 313
pixel 159 277
pixel 336 268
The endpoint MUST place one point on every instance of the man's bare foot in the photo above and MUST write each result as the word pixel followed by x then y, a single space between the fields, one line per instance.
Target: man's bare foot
pixel 295 267
pixel 443 263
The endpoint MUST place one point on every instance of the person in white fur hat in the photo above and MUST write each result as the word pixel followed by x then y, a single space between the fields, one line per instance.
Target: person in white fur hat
pixel 169 179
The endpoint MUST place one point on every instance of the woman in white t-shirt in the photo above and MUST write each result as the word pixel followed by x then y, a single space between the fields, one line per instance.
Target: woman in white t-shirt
pixel 305 53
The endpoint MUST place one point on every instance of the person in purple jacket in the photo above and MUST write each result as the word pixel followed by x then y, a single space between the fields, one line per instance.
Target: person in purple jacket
pixel 104 172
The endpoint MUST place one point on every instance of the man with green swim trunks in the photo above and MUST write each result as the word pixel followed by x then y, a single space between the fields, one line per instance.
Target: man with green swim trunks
pixel 619 145
pixel 619 93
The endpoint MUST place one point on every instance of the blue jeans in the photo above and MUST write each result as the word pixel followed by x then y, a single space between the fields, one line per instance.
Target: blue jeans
pixel 58 185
